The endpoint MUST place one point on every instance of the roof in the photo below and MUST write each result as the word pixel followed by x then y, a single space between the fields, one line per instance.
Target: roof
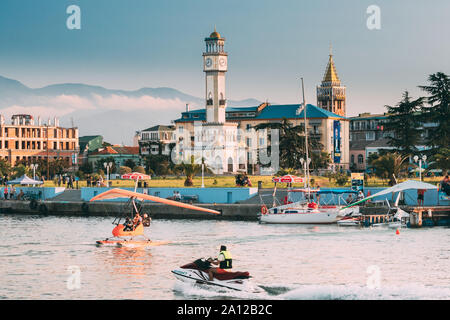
pixel 365 116
pixel 288 111
pixel 160 127
pixel 380 143
pixel 88 138
pixel 330 72
pixel 117 150
pixel 359 145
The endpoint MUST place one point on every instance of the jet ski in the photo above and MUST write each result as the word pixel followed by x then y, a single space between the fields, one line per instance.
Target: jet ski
pixel 196 273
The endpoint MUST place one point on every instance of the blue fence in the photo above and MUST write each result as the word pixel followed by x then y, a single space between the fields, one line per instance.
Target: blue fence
pixel 38 193
pixel 203 195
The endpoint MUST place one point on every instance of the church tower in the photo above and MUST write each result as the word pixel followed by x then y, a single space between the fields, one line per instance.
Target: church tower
pixel 330 94
pixel 215 66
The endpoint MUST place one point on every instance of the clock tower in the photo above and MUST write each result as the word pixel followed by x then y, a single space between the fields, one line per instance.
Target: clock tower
pixel 215 66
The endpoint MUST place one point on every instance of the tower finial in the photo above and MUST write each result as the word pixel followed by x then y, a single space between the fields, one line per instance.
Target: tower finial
pixel 331 49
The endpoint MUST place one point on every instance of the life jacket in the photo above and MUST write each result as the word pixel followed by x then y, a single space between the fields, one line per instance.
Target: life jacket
pixel 227 263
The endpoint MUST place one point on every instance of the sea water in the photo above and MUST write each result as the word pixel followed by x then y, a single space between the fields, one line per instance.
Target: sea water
pixel 56 258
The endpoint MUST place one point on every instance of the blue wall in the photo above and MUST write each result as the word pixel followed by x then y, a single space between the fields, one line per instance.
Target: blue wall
pixel 41 193
pixel 205 195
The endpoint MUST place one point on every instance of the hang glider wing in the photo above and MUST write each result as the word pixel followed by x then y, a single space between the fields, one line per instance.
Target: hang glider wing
pixel 121 193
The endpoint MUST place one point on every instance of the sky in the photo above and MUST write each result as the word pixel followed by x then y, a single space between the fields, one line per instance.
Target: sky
pixel 124 44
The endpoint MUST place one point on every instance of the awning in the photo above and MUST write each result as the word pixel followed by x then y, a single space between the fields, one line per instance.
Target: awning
pixel 25 180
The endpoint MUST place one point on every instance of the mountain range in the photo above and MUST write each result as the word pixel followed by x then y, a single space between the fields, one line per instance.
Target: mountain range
pixel 114 114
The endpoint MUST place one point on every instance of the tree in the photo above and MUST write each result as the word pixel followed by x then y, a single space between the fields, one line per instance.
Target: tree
pixel 5 168
pixel 139 169
pixel 440 160
pixel 438 111
pixel 340 178
pixel 191 170
pixel 129 163
pixel 99 164
pixel 404 123
pixel 320 160
pixel 159 164
pixel 87 167
pixel 124 170
pixel 390 166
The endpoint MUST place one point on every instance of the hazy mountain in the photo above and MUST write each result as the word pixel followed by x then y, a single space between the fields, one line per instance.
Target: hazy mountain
pixel 115 114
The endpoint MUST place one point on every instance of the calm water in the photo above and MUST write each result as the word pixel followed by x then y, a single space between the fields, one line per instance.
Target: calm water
pixel 288 261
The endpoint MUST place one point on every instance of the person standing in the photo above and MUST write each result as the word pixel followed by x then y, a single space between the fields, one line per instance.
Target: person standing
pixel 5 192
pixel 420 197
pixel 12 192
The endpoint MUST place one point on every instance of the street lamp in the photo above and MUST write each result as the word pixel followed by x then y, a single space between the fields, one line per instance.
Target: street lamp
pixel 34 166
pixel 107 166
pixel 417 158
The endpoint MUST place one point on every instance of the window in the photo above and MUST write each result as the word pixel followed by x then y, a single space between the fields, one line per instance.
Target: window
pixel 261 141
pixel 370 135
pixel 353 158
pixel 360 158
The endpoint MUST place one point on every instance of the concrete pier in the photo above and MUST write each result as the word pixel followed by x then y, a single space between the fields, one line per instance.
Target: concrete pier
pixel 247 212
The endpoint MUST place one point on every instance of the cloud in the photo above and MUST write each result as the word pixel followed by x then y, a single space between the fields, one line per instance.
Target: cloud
pixel 120 102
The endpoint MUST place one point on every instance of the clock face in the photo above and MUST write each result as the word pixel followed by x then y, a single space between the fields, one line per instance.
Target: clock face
pixel 208 62
pixel 222 62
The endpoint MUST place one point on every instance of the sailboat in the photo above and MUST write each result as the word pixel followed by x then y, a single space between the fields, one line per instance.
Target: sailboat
pixel 303 212
pixel 134 236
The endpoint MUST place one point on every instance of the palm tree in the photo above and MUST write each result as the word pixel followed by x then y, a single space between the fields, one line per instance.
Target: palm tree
pixel 390 166
pixel 191 170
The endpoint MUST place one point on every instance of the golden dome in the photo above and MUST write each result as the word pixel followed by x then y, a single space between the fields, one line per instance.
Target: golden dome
pixel 215 34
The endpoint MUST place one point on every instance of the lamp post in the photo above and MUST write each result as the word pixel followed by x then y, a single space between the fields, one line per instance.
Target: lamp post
pixel 203 169
pixel 419 159
pixel 34 166
pixel 107 166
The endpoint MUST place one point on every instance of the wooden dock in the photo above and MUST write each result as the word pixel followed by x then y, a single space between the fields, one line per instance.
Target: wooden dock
pixel 429 216
pixel 419 216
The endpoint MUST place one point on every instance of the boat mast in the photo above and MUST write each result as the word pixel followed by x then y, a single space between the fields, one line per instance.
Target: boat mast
pixel 306 141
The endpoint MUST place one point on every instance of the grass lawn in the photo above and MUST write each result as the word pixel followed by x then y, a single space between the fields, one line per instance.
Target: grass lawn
pixel 229 181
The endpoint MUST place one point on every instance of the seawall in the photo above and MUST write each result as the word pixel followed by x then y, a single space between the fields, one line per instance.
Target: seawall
pixel 247 212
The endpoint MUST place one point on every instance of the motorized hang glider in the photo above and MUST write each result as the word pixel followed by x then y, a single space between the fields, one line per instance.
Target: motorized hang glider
pixel 407 185
pixel 119 231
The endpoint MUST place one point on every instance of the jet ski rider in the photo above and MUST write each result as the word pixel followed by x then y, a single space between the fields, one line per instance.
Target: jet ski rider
pixel 224 261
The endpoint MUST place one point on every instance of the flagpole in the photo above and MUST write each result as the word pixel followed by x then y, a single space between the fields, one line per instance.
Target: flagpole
pixel 306 140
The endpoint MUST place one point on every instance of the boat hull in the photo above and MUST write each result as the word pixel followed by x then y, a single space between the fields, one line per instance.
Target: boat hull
pixel 301 218
pixel 195 277
pixel 131 243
